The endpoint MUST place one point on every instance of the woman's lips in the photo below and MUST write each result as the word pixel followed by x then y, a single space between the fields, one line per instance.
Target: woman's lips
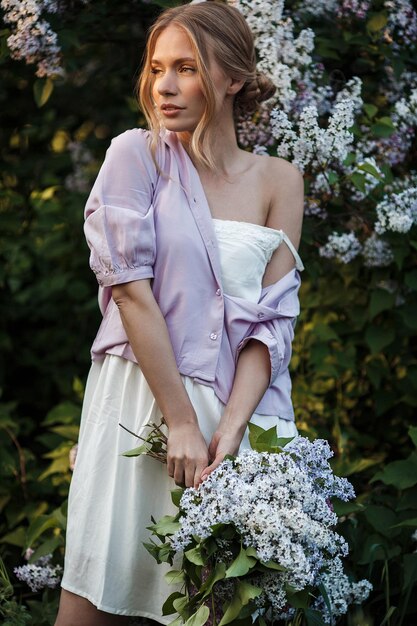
pixel 170 110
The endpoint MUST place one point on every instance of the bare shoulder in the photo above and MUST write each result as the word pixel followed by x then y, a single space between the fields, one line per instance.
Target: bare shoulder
pixel 285 185
pixel 284 173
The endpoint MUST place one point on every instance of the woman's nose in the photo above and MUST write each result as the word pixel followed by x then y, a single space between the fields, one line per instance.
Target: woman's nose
pixel 167 84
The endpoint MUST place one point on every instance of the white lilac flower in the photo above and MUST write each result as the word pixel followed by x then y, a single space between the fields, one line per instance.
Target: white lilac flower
pixel 279 504
pixel 79 179
pixel 353 8
pixel 318 8
pixel 313 209
pixel 313 146
pixel 402 22
pixel 352 91
pixel 343 247
pixel 340 590
pixel 397 212
pixel 377 252
pixel 40 574
pixel 32 38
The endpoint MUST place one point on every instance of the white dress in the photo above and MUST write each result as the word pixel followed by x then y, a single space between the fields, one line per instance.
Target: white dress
pixel 112 498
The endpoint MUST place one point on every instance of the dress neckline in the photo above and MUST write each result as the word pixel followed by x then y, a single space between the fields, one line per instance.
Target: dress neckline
pixel 274 230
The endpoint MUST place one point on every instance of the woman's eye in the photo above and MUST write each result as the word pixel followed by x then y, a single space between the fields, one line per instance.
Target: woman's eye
pixel 187 69
pixel 155 70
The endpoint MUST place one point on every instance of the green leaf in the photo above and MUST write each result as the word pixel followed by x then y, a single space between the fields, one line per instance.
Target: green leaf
pixel 218 573
pixel 64 413
pixel 401 474
pixel 143 449
pixel 410 279
pixel 381 519
pixel 244 593
pixel 299 599
pixel 410 570
pixel 370 109
pixel 175 577
pixel 38 527
pixel 326 599
pixel 359 181
pixel 16 537
pixel 377 22
pixel 346 508
pixel 176 495
pixel 241 565
pixel 263 440
pixel 200 617
pixel 168 606
pixel 69 431
pixel 313 618
pixel 42 90
pixel 274 566
pixel 47 547
pixel 408 522
pixel 380 300
pixel 388 615
pixel 412 431
pixel 378 337
pixel 382 130
pixel 167 525
pixel 370 169
pixel 195 556
pixel 181 605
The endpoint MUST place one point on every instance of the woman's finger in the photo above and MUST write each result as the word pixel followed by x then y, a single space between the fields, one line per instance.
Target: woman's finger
pixel 219 458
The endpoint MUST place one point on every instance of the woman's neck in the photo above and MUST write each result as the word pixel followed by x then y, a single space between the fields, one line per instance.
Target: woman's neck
pixel 224 146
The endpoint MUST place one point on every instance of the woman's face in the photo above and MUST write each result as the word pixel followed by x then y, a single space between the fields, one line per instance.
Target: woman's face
pixel 176 88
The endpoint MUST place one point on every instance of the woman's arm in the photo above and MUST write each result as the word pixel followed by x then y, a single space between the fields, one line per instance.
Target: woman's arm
pixel 148 336
pixel 253 370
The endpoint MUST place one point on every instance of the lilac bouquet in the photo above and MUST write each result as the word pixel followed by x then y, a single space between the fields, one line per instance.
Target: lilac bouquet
pixel 257 539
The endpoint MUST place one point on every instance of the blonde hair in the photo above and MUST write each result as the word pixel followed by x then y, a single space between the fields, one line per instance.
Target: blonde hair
pixel 222 30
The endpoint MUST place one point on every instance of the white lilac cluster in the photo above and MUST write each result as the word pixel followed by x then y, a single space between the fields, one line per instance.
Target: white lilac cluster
pixel 341 591
pixel 397 212
pixel 405 109
pixel 286 57
pixel 377 252
pixel 279 504
pixel 32 38
pixel 402 23
pixel 79 179
pixel 313 146
pixel 319 8
pixel 40 574
pixel 358 9
pixel 344 247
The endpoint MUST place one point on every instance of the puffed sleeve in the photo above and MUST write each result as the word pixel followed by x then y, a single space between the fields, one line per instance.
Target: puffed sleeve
pixel 119 215
pixel 279 308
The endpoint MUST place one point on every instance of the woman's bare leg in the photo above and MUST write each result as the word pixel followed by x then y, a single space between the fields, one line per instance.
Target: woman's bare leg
pixel 77 611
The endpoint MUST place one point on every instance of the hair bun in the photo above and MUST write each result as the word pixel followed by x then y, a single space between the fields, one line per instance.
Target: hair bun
pixel 253 92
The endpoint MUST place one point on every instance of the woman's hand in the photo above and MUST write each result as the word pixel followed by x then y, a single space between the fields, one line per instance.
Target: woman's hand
pixel 224 442
pixel 187 454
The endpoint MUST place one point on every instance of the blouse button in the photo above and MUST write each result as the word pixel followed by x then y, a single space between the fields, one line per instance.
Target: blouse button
pixel 218 292
pixel 213 336
pixel 260 315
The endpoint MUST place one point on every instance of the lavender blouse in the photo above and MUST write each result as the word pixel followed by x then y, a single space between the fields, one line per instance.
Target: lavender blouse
pixel 142 223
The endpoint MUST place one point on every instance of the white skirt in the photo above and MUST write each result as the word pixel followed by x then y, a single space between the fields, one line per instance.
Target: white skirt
pixel 112 498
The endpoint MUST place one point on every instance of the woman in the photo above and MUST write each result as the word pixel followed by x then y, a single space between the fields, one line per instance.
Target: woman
pixel 198 299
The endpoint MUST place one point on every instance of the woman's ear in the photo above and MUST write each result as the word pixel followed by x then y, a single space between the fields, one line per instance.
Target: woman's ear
pixel 234 86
